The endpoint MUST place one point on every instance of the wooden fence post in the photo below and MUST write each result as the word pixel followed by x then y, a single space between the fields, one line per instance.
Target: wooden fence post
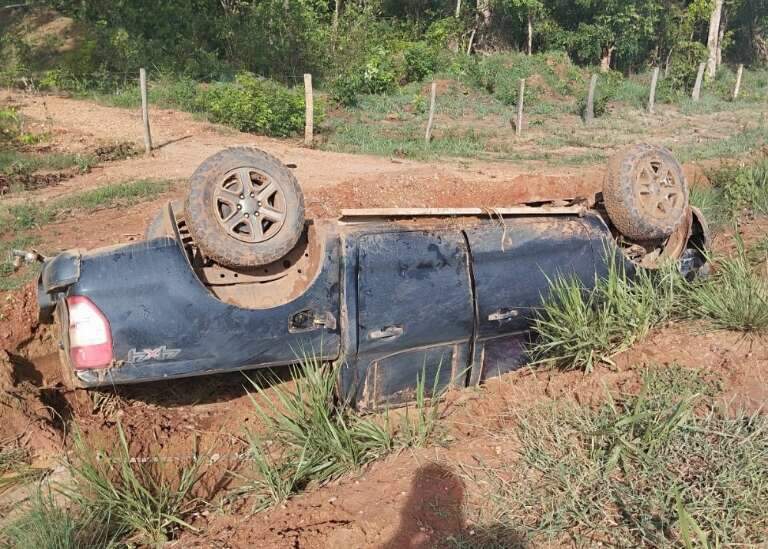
pixel 589 112
pixel 697 87
pixel 520 98
pixel 145 111
pixel 737 87
pixel 428 135
pixel 309 111
pixel 652 95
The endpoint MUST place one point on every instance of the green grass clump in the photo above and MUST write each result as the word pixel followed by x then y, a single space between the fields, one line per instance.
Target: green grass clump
pixel 15 468
pixel 743 185
pixel 578 327
pixel 44 524
pixel 17 217
pixel 734 297
pixel 136 500
pixel 315 438
pixel 662 468
pixel 312 437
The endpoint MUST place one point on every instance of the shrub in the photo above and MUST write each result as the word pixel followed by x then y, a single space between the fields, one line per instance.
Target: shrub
pixel 578 327
pixel 733 297
pixel 377 75
pixel 9 126
pixel 258 105
pixel 420 61
pixel 683 67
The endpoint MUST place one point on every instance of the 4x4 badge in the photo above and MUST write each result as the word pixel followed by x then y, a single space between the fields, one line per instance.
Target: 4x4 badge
pixel 159 353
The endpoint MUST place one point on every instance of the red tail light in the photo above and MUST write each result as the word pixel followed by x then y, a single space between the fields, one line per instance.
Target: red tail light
pixel 90 337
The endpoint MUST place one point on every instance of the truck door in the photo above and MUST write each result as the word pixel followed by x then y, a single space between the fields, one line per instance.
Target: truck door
pixel 513 263
pixel 415 312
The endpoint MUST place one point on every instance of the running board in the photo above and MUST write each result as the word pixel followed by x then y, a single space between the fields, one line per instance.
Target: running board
pixel 451 212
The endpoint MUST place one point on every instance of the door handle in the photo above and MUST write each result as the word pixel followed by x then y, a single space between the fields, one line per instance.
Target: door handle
pixel 503 315
pixel 389 332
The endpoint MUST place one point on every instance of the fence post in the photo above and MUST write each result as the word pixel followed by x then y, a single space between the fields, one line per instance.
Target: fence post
pixel 309 111
pixel 520 97
pixel 737 87
pixel 589 112
pixel 697 87
pixel 145 111
pixel 652 95
pixel 428 135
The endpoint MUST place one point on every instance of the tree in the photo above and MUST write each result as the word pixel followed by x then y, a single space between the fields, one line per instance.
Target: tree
pixel 713 38
pixel 527 10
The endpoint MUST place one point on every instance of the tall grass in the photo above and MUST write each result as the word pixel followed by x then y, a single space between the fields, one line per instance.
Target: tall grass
pixel 662 468
pixel 15 468
pixel 312 437
pixel 315 438
pixel 734 297
pixel 45 524
pixel 140 501
pixel 578 327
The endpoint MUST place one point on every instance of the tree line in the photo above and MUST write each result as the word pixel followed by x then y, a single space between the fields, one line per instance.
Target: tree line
pixel 208 39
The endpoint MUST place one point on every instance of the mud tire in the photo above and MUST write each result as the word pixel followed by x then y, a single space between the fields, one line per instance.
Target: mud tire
pixel 626 208
pixel 207 231
pixel 159 225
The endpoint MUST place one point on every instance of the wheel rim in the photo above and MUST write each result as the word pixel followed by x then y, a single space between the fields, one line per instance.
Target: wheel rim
pixel 659 189
pixel 249 205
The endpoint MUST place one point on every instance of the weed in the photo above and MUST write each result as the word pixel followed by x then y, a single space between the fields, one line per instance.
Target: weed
pixel 660 468
pixel 135 498
pixel 317 438
pixel 734 297
pixel 15 469
pixel 712 204
pixel 420 420
pixel 313 437
pixel 46 525
pixel 577 327
pixel 743 185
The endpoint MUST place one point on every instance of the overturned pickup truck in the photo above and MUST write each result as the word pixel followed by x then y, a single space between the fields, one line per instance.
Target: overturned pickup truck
pixel 235 278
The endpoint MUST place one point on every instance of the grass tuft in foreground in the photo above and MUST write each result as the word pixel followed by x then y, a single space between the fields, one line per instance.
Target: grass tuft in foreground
pixel 577 328
pixel 665 467
pixel 312 437
pixel 734 297
pixel 15 468
pixel 136 500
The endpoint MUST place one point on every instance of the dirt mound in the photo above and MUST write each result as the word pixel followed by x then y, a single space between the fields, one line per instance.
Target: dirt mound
pixel 18 317
pixel 28 418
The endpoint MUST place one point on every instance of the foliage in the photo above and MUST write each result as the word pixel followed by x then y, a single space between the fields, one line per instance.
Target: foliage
pixel 420 61
pixel 734 297
pixel 578 327
pixel 577 463
pixel 256 105
pixel 135 498
pixel 743 185
pixel 312 437
pixel 375 76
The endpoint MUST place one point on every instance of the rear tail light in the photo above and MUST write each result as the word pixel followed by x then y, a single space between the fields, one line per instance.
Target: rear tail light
pixel 90 338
